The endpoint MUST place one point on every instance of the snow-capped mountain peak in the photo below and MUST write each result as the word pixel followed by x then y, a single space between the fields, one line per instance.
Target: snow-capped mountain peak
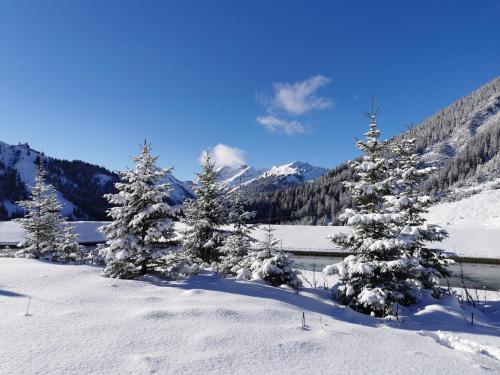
pixel 295 172
pixel 232 176
pixel 297 168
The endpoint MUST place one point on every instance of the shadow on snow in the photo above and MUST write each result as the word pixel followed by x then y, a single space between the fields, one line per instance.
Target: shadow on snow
pixel 8 293
pixel 445 314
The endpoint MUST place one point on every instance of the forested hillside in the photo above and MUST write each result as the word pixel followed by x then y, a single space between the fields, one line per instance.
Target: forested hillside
pixel 462 141
pixel 318 202
pixel 80 185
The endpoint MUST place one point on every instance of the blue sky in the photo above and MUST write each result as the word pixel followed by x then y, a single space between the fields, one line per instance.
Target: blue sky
pixel 277 80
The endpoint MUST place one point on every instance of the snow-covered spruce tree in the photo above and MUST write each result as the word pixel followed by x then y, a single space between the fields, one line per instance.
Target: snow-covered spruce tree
pixel 141 231
pixel 42 221
pixel 270 263
pixel 69 250
pixel 376 278
pixel 415 233
pixel 238 243
pixel 205 215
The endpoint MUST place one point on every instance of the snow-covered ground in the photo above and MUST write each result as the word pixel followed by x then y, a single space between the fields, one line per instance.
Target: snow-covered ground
pixel 79 322
pixel 302 237
pixel 11 233
pixel 479 211
pixel 466 238
pixel 473 224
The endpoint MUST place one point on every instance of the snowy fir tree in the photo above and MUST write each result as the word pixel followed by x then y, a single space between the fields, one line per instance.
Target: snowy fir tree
pixel 42 222
pixel 141 232
pixel 69 250
pixel 269 244
pixel 270 263
pixel 238 243
pixel 205 215
pixel 415 233
pixel 377 277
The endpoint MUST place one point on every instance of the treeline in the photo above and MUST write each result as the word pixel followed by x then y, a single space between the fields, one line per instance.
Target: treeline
pixel 476 162
pixel 467 113
pixel 81 183
pixel 78 181
pixel 11 189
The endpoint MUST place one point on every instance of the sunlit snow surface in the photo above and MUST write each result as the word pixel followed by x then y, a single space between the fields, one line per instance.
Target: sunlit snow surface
pixel 79 322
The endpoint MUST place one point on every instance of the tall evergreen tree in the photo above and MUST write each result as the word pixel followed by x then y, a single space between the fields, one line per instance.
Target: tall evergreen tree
pixel 269 244
pixel 69 250
pixel 48 234
pixel 42 221
pixel 412 204
pixel 375 279
pixel 141 231
pixel 205 215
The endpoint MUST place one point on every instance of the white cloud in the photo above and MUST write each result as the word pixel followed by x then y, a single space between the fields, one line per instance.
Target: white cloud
pixel 291 100
pixel 298 98
pixel 275 124
pixel 225 156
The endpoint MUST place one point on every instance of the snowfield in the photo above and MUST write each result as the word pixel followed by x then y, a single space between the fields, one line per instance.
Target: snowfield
pixel 11 233
pixel 79 322
pixel 464 240
pixel 473 224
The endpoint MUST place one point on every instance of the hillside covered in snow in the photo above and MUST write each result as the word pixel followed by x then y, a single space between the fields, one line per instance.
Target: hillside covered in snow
pixel 462 140
pixel 79 185
pixel 473 224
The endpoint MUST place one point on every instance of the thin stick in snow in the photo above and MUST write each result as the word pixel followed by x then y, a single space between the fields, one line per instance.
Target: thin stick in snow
pixel 28 307
pixel 314 275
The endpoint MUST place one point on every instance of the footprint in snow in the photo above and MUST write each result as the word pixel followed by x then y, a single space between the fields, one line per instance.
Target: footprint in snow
pixel 462 345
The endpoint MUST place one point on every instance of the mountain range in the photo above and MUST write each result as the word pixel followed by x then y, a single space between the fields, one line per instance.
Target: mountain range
pixel 277 177
pixel 80 185
pixel 462 140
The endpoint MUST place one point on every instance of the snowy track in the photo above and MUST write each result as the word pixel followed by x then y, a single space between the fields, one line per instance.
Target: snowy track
pixel 463 345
